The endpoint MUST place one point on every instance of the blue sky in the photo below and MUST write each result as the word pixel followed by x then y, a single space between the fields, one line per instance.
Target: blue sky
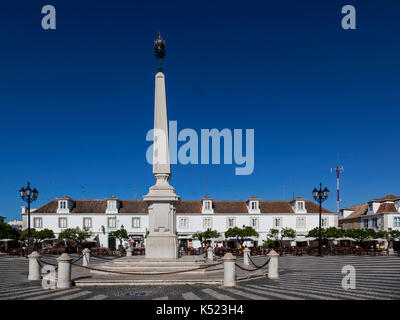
pixel 77 101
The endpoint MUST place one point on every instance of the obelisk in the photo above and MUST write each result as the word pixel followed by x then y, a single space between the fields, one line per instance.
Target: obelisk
pixel 161 242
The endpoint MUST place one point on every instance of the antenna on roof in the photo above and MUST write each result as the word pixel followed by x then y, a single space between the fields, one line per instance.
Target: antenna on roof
pixel 134 192
pixel 338 171
pixel 83 191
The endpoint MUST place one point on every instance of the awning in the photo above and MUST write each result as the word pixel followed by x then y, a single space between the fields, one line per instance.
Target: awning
pixel 136 236
pixel 188 237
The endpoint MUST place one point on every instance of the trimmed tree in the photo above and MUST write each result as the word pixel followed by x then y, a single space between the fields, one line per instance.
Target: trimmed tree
pixel 288 233
pixel 333 232
pixel 241 233
pixel 75 234
pixel 120 234
pixel 395 233
pixel 37 236
pixel 273 233
pixel 203 236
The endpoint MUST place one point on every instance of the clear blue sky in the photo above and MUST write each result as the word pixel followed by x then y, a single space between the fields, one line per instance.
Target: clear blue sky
pixel 76 102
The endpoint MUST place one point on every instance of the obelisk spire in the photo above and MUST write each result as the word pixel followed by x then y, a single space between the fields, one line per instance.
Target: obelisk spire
pixel 161 242
pixel 161 154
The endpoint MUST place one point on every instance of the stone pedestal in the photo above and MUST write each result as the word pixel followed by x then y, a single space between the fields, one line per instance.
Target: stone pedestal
pixel 161 243
pixel 34 266
pixel 246 253
pixel 210 254
pixel 273 265
pixel 64 271
pixel 229 270
pixel 129 252
pixel 161 247
pixel 86 257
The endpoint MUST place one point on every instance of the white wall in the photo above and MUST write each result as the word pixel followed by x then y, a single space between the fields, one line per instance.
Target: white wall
pixel 265 223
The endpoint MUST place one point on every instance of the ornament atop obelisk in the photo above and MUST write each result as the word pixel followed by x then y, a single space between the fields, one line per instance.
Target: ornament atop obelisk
pixel 161 243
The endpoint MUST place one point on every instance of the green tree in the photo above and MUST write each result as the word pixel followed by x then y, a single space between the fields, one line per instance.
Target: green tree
pixel 37 236
pixel 383 234
pixel 333 232
pixel 75 234
pixel 314 233
pixel 395 234
pixel 120 234
pixel 8 232
pixel 268 243
pixel 288 233
pixel 273 233
pixel 241 233
pixel 203 236
pixel 360 234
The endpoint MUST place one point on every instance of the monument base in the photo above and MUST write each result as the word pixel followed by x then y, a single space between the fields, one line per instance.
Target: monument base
pixel 161 247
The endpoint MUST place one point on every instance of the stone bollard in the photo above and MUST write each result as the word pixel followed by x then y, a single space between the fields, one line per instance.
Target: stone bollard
pixel 273 265
pixel 86 257
pixel 229 270
pixel 64 271
pixel 129 252
pixel 246 253
pixel 34 266
pixel 210 254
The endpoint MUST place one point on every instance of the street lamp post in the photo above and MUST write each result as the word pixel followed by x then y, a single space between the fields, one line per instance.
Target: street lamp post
pixel 320 196
pixel 29 195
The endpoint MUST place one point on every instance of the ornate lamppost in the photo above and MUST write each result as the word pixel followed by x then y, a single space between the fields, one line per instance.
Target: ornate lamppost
pixel 29 195
pixel 320 196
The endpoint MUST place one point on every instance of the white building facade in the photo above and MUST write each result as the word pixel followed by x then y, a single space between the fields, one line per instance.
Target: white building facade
pixel 380 214
pixel 103 216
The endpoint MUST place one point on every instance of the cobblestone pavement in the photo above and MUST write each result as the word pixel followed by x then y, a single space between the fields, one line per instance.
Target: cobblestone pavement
pixel 301 278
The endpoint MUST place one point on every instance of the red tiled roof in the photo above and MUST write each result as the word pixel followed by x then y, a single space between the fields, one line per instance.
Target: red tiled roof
pixel 387 197
pixel 359 210
pixel 140 206
pixel 386 207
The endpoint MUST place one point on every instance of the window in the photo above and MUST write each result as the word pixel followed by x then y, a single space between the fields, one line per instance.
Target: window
pixel 351 226
pixel 135 222
pixel 207 205
pixel 207 222
pixel 396 221
pixel 184 223
pixel 63 204
pixel 375 222
pixel 87 222
pixel 254 222
pixel 230 222
pixel 324 222
pixel 37 222
pixel 300 222
pixel 370 206
pixel 112 222
pixel 366 223
pixel 277 222
pixel 300 205
pixel 111 205
pixel 62 222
